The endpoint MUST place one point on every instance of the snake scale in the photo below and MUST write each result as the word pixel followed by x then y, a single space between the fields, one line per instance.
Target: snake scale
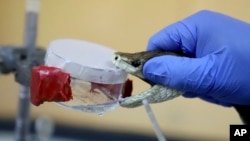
pixel 133 63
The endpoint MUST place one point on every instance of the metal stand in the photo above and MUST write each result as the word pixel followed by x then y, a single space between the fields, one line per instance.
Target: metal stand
pixel 22 120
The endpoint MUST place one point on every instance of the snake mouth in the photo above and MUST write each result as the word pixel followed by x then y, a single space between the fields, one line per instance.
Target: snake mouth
pixel 123 64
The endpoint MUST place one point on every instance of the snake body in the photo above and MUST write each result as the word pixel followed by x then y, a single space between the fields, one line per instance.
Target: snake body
pixel 133 64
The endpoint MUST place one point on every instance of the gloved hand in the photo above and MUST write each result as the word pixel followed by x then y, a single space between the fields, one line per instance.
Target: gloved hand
pixel 216 66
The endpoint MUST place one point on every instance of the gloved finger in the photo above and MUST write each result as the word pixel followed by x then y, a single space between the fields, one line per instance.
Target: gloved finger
pixel 206 98
pixel 214 101
pixel 182 73
pixel 190 95
pixel 177 38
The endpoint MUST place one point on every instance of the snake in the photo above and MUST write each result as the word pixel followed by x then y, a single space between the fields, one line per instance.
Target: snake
pixel 132 63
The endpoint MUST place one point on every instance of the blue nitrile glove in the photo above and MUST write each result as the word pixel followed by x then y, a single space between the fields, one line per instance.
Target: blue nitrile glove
pixel 217 63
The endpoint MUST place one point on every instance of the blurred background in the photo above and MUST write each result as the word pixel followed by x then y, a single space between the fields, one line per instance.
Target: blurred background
pixel 124 25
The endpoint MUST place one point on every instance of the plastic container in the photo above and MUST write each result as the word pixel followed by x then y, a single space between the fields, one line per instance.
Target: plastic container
pixel 95 82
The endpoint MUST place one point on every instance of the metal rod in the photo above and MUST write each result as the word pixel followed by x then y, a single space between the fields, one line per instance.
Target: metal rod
pixel 22 120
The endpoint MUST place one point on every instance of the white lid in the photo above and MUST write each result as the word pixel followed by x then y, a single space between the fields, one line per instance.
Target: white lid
pixel 84 60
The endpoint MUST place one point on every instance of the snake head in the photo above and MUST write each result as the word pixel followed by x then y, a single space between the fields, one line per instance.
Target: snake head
pixel 133 62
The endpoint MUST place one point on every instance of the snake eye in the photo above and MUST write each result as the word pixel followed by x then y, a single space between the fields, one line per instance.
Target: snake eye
pixel 136 63
pixel 116 57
